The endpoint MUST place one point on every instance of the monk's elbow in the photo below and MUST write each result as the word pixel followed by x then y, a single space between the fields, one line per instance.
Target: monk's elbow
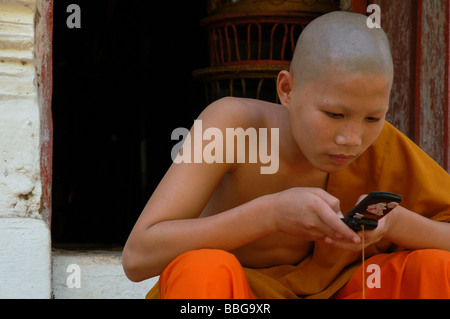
pixel 132 266
pixel 129 266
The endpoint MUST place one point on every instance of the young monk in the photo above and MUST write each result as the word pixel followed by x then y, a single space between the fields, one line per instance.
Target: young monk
pixel 224 230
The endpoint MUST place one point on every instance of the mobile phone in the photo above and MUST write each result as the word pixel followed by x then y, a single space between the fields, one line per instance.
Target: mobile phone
pixel 373 207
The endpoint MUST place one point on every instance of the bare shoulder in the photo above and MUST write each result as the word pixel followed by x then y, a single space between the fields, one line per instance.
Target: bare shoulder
pixel 241 112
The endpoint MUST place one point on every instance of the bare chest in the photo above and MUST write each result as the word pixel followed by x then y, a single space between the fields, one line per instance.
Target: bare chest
pixel 247 183
pixel 240 187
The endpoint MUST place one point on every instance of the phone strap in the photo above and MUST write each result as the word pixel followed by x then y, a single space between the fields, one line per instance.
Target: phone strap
pixel 363 268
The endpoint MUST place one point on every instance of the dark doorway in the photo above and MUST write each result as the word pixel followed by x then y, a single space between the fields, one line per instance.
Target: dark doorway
pixel 122 83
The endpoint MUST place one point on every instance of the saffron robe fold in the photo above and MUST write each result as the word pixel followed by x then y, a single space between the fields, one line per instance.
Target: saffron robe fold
pixel 417 274
pixel 392 164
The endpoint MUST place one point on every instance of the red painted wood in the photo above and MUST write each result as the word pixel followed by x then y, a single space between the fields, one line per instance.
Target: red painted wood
pixel 417 105
pixel 433 70
pixel 401 34
pixel 44 66
pixel 419 34
pixel 359 6
pixel 447 85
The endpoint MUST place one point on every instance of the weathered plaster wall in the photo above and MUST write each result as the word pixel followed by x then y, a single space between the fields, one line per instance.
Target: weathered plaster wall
pixel 20 182
pixel 25 243
pixel 100 276
pixel 25 259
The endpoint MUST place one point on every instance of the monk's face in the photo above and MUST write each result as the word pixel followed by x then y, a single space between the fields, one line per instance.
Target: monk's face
pixel 334 120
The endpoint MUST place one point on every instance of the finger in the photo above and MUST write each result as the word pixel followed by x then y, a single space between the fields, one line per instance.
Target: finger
pixel 332 201
pixel 327 231
pixel 345 232
pixel 328 215
pixel 317 229
pixel 361 198
pixel 334 225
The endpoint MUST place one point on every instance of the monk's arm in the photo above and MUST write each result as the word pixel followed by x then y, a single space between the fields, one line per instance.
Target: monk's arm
pixel 413 231
pixel 149 249
pixel 306 213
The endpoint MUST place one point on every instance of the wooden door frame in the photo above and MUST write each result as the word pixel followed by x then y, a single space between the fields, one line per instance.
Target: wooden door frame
pixel 44 68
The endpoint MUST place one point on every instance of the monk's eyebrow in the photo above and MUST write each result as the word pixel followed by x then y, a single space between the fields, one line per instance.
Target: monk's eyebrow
pixel 347 109
pixel 336 106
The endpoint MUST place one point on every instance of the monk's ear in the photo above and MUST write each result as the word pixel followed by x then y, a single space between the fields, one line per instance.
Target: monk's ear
pixel 285 84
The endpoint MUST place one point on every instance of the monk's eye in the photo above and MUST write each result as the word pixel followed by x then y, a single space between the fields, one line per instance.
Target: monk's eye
pixel 373 119
pixel 335 116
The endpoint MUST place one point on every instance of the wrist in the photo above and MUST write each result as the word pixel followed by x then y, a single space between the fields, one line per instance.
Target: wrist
pixel 270 211
pixel 393 221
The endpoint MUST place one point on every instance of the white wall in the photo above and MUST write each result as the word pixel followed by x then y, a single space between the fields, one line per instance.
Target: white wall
pixel 25 244
pixel 94 275
pixel 25 259
pixel 20 187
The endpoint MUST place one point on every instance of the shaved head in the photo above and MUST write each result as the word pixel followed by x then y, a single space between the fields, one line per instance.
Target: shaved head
pixel 340 41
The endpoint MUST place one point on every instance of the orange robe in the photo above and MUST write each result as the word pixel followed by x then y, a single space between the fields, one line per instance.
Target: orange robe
pixel 392 164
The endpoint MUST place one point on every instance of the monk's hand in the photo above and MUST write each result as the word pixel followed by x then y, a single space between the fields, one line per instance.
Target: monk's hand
pixel 312 214
pixel 370 236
